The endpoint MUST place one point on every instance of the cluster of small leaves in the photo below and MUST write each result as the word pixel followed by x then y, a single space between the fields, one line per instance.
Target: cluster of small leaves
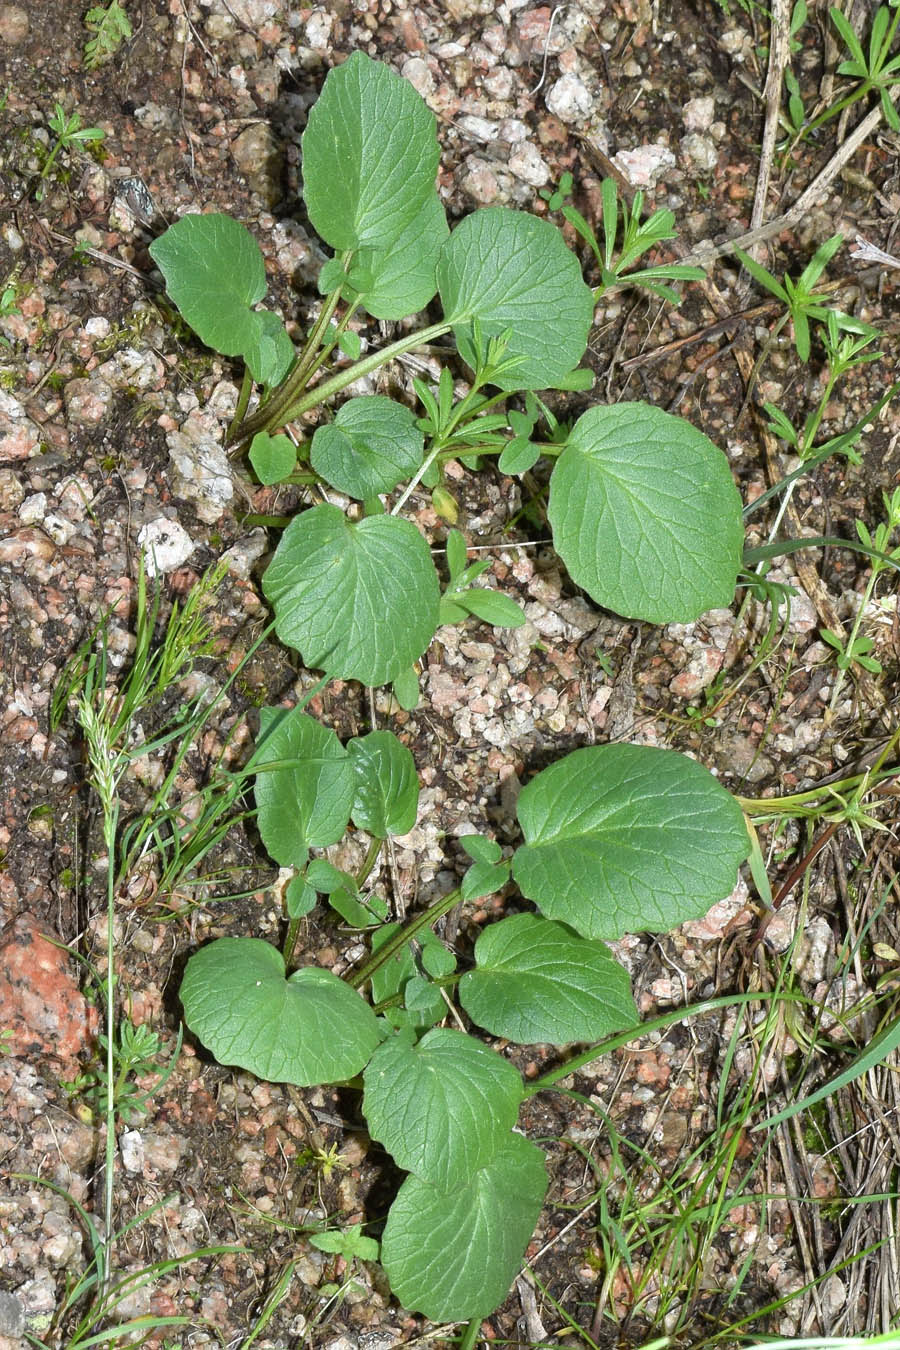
pixel 135 1053
pixel 626 237
pixel 110 27
pixel 646 518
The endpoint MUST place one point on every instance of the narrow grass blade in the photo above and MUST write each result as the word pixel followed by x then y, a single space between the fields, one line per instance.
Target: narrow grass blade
pixel 874 1053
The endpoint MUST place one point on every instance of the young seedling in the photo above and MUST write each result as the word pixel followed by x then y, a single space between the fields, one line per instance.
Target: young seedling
pixel 68 131
pixel 615 258
pixel 135 1055
pixel 801 299
pixel 872 68
pixel 856 648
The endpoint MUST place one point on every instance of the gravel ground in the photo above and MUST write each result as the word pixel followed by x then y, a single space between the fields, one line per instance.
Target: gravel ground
pixel 111 424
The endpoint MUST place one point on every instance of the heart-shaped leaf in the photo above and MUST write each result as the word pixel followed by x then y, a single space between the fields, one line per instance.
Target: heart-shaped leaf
pixel 310 1028
pixel 512 271
pixel 306 805
pixel 645 514
pixel 626 838
pixel 358 600
pixel 535 980
pixel 442 1108
pixel 214 273
pixel 387 787
pixel 370 155
pixel 453 1257
pixel 372 445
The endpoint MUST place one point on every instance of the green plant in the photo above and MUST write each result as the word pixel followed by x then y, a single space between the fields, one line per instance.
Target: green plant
pixel 616 256
pixel 872 68
pixel 135 1053
pixel 68 131
pixel 110 722
pixel 803 302
pixel 856 648
pixel 110 27
pixel 349 1243
pixel 646 518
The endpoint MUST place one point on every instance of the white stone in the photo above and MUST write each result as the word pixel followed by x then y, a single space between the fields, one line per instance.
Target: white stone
pixel 699 113
pixel 700 152
pixel 166 544
pixel 416 70
pixel 526 163
pixel 569 99
pixel 59 528
pixel 132 1148
pixel 478 128
pixel 242 555
pixel 318 30
pixel 201 469
pixel 33 509
pixel 645 165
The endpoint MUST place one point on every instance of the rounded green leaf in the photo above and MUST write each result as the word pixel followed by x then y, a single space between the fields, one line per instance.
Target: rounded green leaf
pixel 306 805
pixel 480 848
pixel 513 271
pixel 454 1257
pixel 622 838
pixel 310 1028
pixel 645 514
pixel 400 279
pixel 387 786
pixel 214 272
pixel 442 1108
pixel 372 445
pixel 299 898
pixel 483 879
pixel 359 601
pixel 406 689
pixel 535 981
pixel 272 457
pixel 370 155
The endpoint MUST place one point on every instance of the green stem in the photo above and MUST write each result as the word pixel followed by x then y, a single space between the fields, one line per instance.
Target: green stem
pixel 399 940
pixel 280 409
pixel 110 828
pixel 668 1019
pixel 241 406
pixel 268 414
pixel 326 351
pixel 837 108
pixel 369 861
pixel 290 941
pixel 854 634
pixel 470 1335
pixel 299 378
pixel 776 806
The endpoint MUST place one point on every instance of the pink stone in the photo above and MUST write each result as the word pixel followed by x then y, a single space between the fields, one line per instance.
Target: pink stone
pixel 40 1003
